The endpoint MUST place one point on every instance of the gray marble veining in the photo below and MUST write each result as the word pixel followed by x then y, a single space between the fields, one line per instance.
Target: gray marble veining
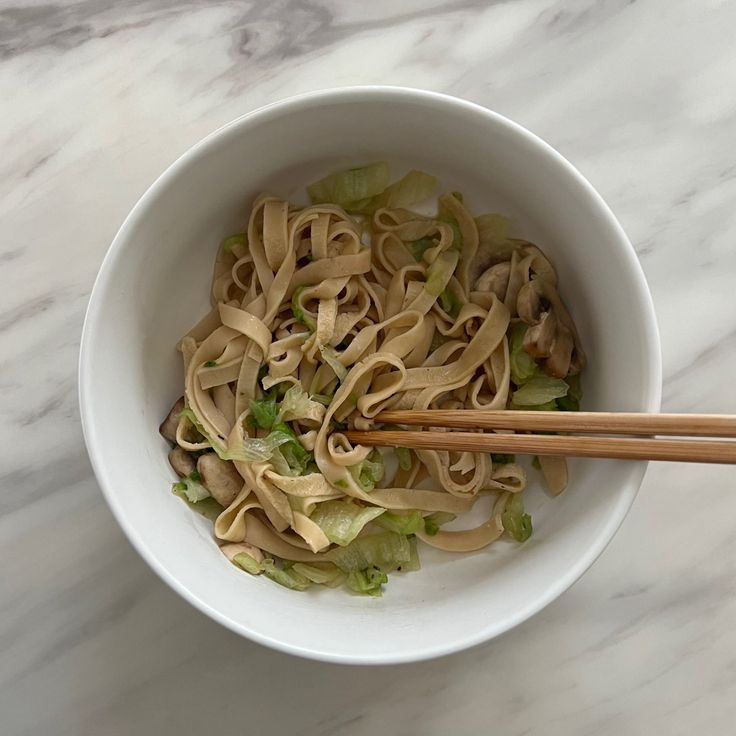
pixel 99 97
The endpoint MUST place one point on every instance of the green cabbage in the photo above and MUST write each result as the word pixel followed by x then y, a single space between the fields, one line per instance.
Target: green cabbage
pixel 352 188
pixel 387 551
pixel 418 247
pixel 367 582
pixel 433 522
pixel 409 522
pixel 450 303
pixel 523 366
pixel 286 575
pixel 342 521
pixel 207 507
pixel 192 488
pixel 320 573
pixel 248 563
pixel 232 240
pixel 403 455
pixel 264 412
pixel 369 472
pixel 415 187
pixel 516 523
pixel 498 458
pixel 440 271
pixel 299 314
pixel 329 355
pixel 539 390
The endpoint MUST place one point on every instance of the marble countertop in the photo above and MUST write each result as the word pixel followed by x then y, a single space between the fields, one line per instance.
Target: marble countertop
pixel 99 97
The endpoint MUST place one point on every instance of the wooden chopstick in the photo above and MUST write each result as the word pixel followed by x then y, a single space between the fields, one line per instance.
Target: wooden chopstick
pixel 680 450
pixel 683 425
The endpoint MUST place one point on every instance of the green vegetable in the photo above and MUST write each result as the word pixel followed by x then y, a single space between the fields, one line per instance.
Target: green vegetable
pixel 523 366
pixel 535 463
pixel 264 412
pixel 419 247
pixel 232 240
pixel 539 390
pixel 444 215
pixel 413 561
pixel 342 521
pixel 260 449
pixel 291 452
pixel 208 507
pixel 369 472
pixel 567 403
pixel 321 573
pixel 350 189
pixel 192 489
pixel 576 390
pixel 299 314
pixel 408 523
pixel 340 483
pixel 367 582
pixel 248 563
pixel 415 187
pixel 386 551
pixel 323 399
pixel 450 303
pixel 210 364
pixel 440 271
pixel 433 522
pixel 286 576
pixel 329 355
pixel 403 455
pixel 191 417
pixel 498 458
pixel 296 404
pixel 515 522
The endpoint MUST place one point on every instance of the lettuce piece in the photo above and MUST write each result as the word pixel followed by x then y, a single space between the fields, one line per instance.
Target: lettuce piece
pixel 264 412
pixel 387 551
pixel 191 417
pixel 329 355
pixel 498 458
pixel 418 247
pixel 413 563
pixel 342 521
pixel 415 187
pixel 367 582
pixel 369 472
pixel 450 303
pixel 192 488
pixel 286 576
pixel 408 523
pixel 349 189
pixel 403 455
pixel 207 507
pixel 260 449
pixel 433 522
pixel 296 404
pixel 231 241
pixel 290 458
pixel 248 563
pixel 440 271
pixel 444 215
pixel 571 402
pixel 516 523
pixel 523 366
pixel 567 403
pixel 320 573
pixel 539 390
pixel 299 314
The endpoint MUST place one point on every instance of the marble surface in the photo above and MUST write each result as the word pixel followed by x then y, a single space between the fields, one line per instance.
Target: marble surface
pixel 98 97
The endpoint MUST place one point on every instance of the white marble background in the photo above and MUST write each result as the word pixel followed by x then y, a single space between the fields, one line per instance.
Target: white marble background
pixel 98 97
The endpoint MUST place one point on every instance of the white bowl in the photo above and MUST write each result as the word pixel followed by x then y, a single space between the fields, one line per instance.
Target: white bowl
pixel 153 285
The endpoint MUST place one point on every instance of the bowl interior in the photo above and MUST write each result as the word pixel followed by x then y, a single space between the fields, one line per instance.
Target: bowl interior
pixel 154 285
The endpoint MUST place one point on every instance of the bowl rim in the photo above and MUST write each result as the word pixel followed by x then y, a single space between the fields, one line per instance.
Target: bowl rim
pixel 289 105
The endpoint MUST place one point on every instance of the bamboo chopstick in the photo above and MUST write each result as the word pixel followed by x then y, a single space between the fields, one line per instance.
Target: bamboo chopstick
pixel 683 425
pixel 680 450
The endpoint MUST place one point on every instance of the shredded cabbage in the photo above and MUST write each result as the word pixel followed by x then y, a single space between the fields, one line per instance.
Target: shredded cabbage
pixel 286 576
pixel 248 563
pixel 296 404
pixel 498 458
pixel 433 522
pixel 260 449
pixel 329 355
pixel 450 303
pixel 299 314
pixel 516 523
pixel 342 521
pixel 320 573
pixel 440 271
pixel 409 522
pixel 264 412
pixel 539 390
pixel 369 472
pixel 386 551
pixel 349 189
pixel 232 240
pixel 415 187
pixel 192 488
pixel 367 582
pixel 403 455
pixel 523 366
pixel 207 507
pixel 418 247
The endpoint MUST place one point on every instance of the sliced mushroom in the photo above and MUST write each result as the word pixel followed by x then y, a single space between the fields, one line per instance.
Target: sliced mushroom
pixel 495 279
pixel 181 461
pixel 532 302
pixel 169 425
pixel 220 478
pixel 557 364
pixel 540 338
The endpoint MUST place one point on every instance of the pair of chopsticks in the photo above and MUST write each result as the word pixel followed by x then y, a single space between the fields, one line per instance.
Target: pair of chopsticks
pixel 684 426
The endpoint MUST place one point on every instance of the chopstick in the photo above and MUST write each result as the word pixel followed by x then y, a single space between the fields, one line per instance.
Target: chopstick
pixel 605 422
pixel 688 451
pixel 625 448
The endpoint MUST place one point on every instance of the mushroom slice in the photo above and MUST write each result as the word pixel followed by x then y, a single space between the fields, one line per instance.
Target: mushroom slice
pixel 169 425
pixel 495 279
pixel 540 338
pixel 181 461
pixel 220 478
pixel 557 364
